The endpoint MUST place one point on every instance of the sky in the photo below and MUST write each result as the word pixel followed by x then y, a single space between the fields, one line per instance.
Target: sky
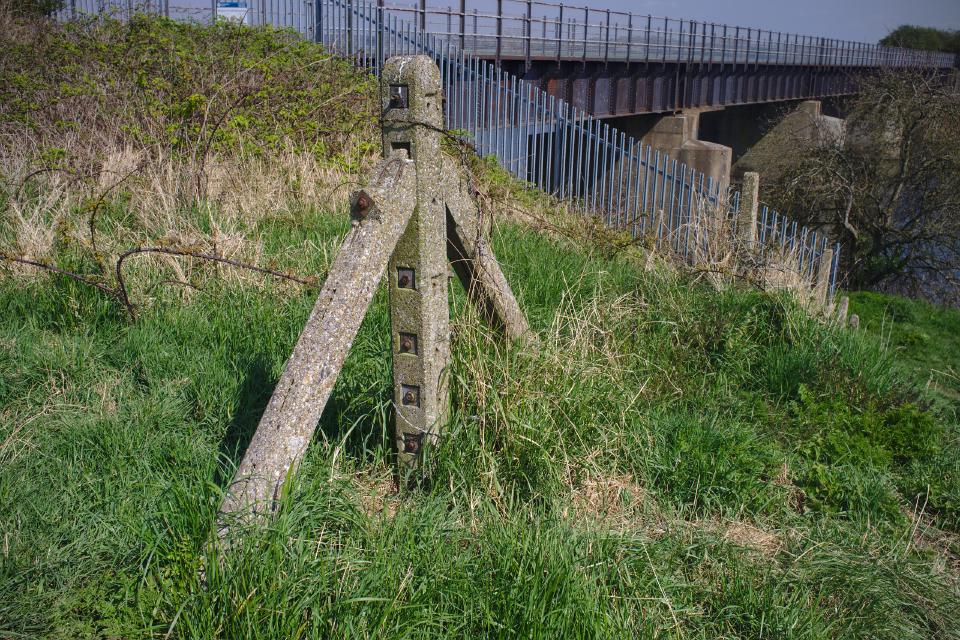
pixel 862 20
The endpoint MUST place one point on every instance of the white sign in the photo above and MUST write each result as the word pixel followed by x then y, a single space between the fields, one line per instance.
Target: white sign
pixel 233 10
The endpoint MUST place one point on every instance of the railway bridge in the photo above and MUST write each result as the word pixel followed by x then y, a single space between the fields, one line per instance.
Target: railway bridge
pixel 613 63
pixel 700 91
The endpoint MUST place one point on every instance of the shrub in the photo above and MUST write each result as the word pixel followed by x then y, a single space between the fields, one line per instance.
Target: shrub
pixel 37 7
pixel 190 89
pixel 845 449
pixel 934 486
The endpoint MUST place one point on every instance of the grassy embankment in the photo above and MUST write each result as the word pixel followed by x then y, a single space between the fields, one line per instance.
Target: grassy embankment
pixel 676 461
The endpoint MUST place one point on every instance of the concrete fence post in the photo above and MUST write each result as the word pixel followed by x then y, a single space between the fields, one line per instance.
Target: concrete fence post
pixel 842 310
pixel 416 212
pixel 380 214
pixel 410 95
pixel 749 206
pixel 822 288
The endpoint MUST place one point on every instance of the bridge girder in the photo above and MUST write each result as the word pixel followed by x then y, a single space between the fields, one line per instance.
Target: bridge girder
pixel 623 89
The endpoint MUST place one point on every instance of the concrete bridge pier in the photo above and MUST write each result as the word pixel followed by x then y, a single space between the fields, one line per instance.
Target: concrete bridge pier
pixel 805 125
pixel 678 135
pixel 725 142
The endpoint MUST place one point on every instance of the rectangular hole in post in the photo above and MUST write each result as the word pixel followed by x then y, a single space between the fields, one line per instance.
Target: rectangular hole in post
pixel 412 442
pixel 401 146
pixel 406 278
pixel 408 343
pixel 399 96
pixel 409 395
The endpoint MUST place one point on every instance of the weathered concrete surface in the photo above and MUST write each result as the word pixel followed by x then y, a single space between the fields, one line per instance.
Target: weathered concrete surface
pixel 804 126
pixel 842 310
pixel 821 291
pixel 749 207
pixel 445 226
pixel 410 94
pixel 677 136
pixel 472 258
pixel 709 158
pixel 670 132
pixel 289 421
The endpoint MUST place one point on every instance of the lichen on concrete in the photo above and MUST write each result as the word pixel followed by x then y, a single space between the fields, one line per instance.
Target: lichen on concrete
pixel 419 380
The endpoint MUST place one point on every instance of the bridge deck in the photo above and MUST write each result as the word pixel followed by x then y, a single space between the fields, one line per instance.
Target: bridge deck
pixel 531 30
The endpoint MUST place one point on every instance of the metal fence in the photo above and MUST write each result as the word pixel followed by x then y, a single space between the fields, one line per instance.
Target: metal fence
pixel 299 15
pixel 563 150
pixel 540 139
pixel 528 29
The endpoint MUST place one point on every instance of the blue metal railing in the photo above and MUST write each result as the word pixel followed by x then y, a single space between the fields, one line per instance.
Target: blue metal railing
pixel 563 150
pixel 535 29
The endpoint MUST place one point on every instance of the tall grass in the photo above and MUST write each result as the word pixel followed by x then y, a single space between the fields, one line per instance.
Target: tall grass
pixel 635 477
pixel 679 457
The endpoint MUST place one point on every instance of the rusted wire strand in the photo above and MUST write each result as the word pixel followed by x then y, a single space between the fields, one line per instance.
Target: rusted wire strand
pixel 122 287
pixel 121 291
pixel 59 271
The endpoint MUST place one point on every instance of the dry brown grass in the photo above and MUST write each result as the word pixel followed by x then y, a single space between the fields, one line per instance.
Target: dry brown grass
pixel 162 209
pixel 618 503
pixel 721 254
pixel 708 245
pixel 378 493
pixel 113 138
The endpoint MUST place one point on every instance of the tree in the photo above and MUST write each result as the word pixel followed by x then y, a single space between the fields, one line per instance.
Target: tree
pixel 926 38
pixel 889 191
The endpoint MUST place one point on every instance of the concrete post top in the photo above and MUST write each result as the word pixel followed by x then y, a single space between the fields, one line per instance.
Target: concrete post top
pixel 410 90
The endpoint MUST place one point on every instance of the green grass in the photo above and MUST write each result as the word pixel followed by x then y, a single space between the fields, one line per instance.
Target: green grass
pixel 923 336
pixel 711 410
pixel 672 461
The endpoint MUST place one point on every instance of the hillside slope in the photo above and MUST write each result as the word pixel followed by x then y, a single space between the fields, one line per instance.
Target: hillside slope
pixel 677 460
pixel 924 338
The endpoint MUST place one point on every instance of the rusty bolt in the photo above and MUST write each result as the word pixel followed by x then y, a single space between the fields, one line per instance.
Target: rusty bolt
pixel 411 443
pixel 406 278
pixel 362 206
pixel 409 398
pixel 398 96
pixel 406 344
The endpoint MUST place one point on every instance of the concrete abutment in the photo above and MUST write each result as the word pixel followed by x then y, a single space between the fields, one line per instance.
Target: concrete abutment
pixel 726 142
pixel 804 125
pixel 678 136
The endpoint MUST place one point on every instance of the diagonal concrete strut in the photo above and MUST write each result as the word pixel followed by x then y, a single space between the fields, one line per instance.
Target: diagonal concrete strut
pixel 381 213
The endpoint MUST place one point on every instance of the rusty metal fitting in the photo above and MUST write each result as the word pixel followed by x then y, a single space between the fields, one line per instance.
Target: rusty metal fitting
pixel 405 278
pixel 361 206
pixel 411 442
pixel 399 96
